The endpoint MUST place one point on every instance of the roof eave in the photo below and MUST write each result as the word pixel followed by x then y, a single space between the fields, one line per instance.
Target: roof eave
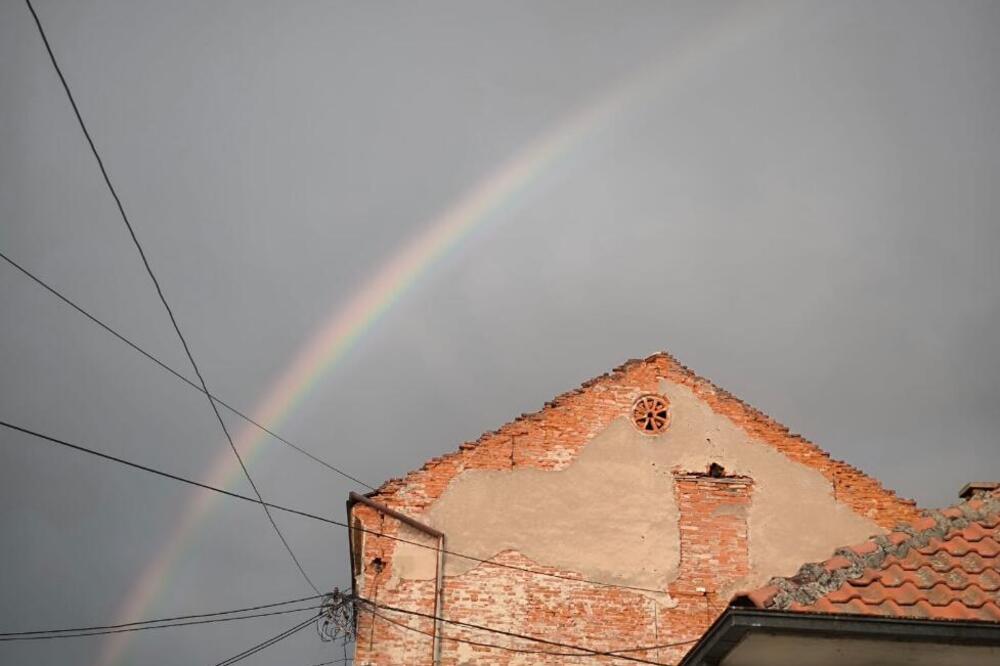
pixel 734 624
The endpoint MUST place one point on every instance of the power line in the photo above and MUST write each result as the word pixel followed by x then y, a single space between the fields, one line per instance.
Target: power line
pixel 588 651
pixel 163 619
pixel 619 654
pixel 469 641
pixel 322 462
pixel 306 514
pixel 260 500
pixel 65 299
pixel 612 653
pixel 9 638
pixel 168 475
pixel 159 291
pixel 268 643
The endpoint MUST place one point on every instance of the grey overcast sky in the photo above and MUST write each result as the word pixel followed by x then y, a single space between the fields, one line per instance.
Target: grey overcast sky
pixel 800 202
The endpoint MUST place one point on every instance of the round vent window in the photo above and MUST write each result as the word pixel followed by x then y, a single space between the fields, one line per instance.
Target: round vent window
pixel 651 414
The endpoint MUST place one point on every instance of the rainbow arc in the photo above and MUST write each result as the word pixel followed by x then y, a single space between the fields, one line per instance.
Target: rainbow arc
pixel 488 200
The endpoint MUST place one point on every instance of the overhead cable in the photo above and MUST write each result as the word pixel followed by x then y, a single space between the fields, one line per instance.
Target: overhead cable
pixel 175 618
pixel 268 643
pixel 189 623
pixel 65 299
pixel 469 641
pixel 618 654
pixel 612 653
pixel 159 291
pixel 313 516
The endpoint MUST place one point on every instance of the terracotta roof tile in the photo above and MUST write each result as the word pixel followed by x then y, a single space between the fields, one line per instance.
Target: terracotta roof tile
pixel 990 611
pixel 974 532
pixel 896 538
pixel 945 565
pixel 990 580
pixel 837 562
pixel 763 596
pixel 842 595
pixel 892 576
pixel 864 548
pixel 924 523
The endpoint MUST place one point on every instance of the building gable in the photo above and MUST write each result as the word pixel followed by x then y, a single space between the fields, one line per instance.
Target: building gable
pixel 665 525
pixel 553 436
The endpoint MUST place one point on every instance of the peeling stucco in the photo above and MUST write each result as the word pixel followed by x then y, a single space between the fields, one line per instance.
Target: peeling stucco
pixel 611 515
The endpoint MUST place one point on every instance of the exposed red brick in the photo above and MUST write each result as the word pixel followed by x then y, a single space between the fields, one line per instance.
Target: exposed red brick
pixel 604 618
pixel 714 549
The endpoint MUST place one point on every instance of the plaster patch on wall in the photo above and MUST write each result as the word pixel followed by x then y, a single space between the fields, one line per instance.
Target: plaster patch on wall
pixel 611 516
pixel 793 516
pixel 413 561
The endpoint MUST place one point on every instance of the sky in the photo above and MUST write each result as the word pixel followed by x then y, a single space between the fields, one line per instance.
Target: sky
pixel 797 200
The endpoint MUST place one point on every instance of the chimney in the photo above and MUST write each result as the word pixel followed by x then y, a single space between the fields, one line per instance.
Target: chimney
pixel 713 530
pixel 974 488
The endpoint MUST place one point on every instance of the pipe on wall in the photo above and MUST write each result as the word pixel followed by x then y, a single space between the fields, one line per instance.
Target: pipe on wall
pixel 357 498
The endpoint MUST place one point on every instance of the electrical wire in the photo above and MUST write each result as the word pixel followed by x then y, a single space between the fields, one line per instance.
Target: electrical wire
pixel 589 653
pixel 469 641
pixel 268 643
pixel 175 618
pixel 212 401
pixel 190 623
pixel 65 299
pixel 235 411
pixel 611 653
pixel 306 514
pixel 159 291
pixel 619 654
pixel 247 418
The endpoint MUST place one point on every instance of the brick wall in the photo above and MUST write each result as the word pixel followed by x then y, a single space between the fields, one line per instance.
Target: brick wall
pixel 715 554
pixel 713 547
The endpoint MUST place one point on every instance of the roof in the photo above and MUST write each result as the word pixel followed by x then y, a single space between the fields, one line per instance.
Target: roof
pixel 943 566
pixel 754 637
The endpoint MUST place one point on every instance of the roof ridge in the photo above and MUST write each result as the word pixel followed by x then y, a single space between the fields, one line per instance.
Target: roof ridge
pixel 815 580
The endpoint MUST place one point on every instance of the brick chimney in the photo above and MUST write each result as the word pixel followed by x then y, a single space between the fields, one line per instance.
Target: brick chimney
pixel 713 530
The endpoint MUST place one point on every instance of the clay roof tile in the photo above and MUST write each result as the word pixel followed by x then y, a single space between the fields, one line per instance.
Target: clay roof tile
pixel 974 532
pixel 896 538
pixel 989 612
pixel 836 562
pixel 941 566
pixel 762 597
pixel 865 547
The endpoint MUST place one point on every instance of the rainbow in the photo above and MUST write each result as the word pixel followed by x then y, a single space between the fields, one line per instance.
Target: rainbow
pixel 488 199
